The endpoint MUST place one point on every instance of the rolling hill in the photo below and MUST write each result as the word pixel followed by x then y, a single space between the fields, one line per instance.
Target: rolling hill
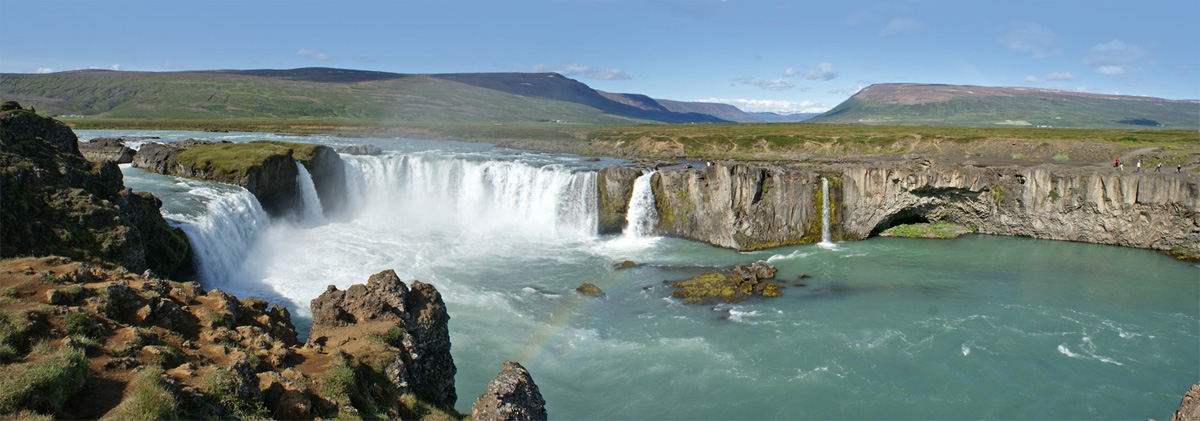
pixel 979 106
pixel 323 93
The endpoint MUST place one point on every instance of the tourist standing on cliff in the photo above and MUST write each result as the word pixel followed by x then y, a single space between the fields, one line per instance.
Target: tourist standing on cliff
pixel 1120 166
pixel 1158 168
pixel 1139 165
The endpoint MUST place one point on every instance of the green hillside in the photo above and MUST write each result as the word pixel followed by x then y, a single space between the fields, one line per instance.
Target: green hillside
pixel 324 94
pixel 976 106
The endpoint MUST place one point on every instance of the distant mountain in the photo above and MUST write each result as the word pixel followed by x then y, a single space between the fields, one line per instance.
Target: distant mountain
pixel 325 94
pixel 783 118
pixel 980 106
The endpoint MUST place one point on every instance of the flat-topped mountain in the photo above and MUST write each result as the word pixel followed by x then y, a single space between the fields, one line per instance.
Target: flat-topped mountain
pixel 329 94
pixel 982 106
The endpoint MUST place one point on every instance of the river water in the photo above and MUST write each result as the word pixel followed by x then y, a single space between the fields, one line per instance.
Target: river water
pixel 977 327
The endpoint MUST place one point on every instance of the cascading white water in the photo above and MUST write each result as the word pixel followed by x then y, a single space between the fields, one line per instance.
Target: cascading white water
pixel 479 195
pixel 312 214
pixel 222 236
pixel 641 215
pixel 825 241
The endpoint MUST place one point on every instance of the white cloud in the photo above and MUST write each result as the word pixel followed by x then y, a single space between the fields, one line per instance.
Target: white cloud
pixel 900 26
pixel 607 74
pixel 772 85
pixel 1032 39
pixel 310 54
pixel 575 69
pixel 847 91
pixel 1062 76
pixel 1114 57
pixel 823 71
pixel 115 66
pixel 1032 79
pixel 790 72
pixel 44 70
pixel 771 105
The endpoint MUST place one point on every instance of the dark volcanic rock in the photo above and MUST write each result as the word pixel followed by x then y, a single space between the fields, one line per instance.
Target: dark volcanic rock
pixel 265 168
pixel 56 202
pixel 106 149
pixel 512 395
pixel 425 366
pixel 360 150
pixel 614 187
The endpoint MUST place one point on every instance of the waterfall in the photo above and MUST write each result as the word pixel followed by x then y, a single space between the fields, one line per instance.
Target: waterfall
pixel 476 195
pixel 222 236
pixel 311 214
pixel 825 241
pixel 641 216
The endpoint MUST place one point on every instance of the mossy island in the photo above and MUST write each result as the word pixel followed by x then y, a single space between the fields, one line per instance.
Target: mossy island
pixel 733 286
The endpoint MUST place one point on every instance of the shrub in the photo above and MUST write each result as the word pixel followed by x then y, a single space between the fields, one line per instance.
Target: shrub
pixel 149 400
pixel 79 323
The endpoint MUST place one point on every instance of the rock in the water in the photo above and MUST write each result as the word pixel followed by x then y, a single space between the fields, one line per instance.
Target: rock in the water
pixel 107 149
pixel 360 150
pixel 628 264
pixel 341 318
pixel 590 289
pixel 1189 407
pixel 512 395
pixel 733 286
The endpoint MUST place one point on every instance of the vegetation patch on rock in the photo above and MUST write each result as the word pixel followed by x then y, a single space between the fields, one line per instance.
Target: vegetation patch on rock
pixel 736 285
pixel 590 290
pixel 944 230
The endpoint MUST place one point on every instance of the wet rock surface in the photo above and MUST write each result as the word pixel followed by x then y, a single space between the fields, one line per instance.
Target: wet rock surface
pixel 733 286
pixel 107 149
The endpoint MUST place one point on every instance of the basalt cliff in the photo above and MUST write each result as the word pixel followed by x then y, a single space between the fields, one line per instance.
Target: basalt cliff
pixel 265 168
pixel 747 206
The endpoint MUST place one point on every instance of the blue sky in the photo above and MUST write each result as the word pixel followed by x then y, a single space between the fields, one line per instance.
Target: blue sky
pixel 761 55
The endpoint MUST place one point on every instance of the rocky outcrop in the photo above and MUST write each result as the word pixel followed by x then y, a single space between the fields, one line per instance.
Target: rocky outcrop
pixel 386 307
pixel 106 149
pixel 1132 210
pixel 733 286
pixel 56 202
pixel 739 206
pixel 360 150
pixel 511 396
pixel 614 188
pixel 746 207
pixel 267 169
pixel 1189 407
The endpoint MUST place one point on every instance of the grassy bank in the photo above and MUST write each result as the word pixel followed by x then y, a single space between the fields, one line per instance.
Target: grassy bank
pixel 731 141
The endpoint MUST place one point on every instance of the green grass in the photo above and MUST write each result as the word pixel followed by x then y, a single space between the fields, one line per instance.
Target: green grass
pixel 149 400
pixel 240 159
pixel 44 383
pixel 925 230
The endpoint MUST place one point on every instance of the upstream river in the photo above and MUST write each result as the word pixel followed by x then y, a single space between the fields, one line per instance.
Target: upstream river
pixel 977 327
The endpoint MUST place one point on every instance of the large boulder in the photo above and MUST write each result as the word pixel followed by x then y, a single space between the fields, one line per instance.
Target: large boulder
pixel 107 149
pixel 56 202
pixel 425 366
pixel 512 395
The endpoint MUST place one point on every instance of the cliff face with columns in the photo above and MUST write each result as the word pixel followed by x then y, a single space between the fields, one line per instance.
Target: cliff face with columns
pixel 746 206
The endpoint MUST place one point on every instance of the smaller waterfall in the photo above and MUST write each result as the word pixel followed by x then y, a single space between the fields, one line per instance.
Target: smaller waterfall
pixel 641 216
pixel 222 236
pixel 825 241
pixel 312 214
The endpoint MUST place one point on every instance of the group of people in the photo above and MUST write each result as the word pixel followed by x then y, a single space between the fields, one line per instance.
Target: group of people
pixel 1157 168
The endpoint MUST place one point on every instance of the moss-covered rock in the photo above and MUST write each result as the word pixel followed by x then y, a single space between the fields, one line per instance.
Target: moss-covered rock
pixel 590 290
pixel 940 230
pixel 56 202
pixel 733 286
